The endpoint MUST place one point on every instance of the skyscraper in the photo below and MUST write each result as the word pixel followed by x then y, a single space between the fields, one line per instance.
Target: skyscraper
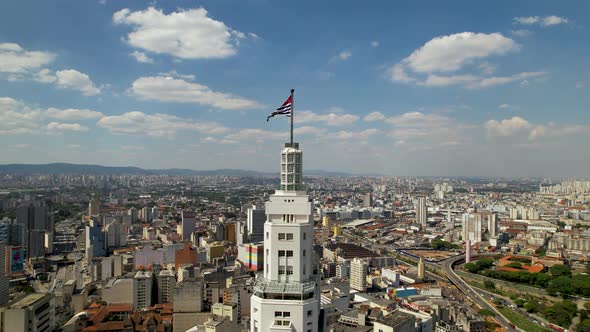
pixel 4 282
pixel 94 206
pixel 286 294
pixel 421 211
pixel 358 274
pixel 189 221
pixel 255 224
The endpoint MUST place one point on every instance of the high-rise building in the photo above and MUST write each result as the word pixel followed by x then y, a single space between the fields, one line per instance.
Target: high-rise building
pixel 133 213
pixel 492 225
pixel 421 269
pixel 255 223
pixel 4 282
pixel 286 295
pixel 142 290
pixel 421 211
pixel 367 200
pixel 13 233
pixel 36 243
pixel 472 223
pixel 358 274
pixel 325 229
pixel 32 313
pixel 116 235
pixel 166 283
pixel 155 212
pixel 189 221
pixel 94 206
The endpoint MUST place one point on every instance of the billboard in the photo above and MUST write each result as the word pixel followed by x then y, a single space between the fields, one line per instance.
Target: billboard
pixel 17 259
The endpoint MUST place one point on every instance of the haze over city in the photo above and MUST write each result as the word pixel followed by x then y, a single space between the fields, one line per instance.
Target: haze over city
pixel 486 89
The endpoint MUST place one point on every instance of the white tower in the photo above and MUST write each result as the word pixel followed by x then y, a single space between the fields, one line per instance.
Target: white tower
pixel 286 295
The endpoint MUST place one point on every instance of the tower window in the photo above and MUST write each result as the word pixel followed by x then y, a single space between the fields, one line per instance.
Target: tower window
pixel 289 236
pixel 281 236
pixel 304 236
pixel 289 253
pixel 282 253
pixel 289 270
pixel 281 270
pixel 303 252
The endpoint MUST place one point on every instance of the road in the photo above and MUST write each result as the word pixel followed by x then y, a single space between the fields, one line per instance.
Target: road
pixel 471 293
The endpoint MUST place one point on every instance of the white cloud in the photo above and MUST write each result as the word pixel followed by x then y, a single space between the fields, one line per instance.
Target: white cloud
pixel 330 119
pixel 508 107
pixel 14 59
pixel 141 57
pixel 453 52
pixel 18 118
pixel 58 128
pixel 178 90
pixel 431 64
pixel 75 80
pixel 487 68
pixel 374 116
pixel 374 43
pixel 522 33
pixel 579 85
pixel 353 135
pixel 517 126
pixel 507 127
pixel 156 125
pixel 344 55
pixel 185 34
pixel 543 21
pixel 44 76
pixel 72 114
pixel 419 131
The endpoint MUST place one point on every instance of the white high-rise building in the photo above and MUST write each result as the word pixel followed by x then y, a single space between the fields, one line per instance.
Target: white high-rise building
pixel 421 211
pixel 358 274
pixel 286 295
pixel 142 290
pixel 472 224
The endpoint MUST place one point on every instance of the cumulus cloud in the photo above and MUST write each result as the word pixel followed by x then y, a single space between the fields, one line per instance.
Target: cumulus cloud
pixel 421 131
pixel 185 34
pixel 437 62
pixel 18 118
pixel 542 21
pixel 353 135
pixel 452 52
pixel 141 57
pixel 330 119
pixel 75 80
pixel 374 116
pixel 72 114
pixel 517 126
pixel 58 128
pixel 156 125
pixel 44 76
pixel 14 59
pixel 177 90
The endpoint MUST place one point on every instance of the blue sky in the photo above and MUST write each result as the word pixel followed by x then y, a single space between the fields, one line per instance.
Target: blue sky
pixel 422 88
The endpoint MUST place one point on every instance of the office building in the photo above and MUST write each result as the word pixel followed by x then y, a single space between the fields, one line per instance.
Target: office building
pixel 142 290
pixel 33 313
pixel 188 224
pixel 472 225
pixel 255 224
pixel 421 211
pixel 358 274
pixel 4 281
pixel 166 282
pixel 94 206
pixel 286 295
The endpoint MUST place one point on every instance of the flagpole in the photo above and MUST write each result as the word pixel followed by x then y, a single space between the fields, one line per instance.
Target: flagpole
pixel 292 113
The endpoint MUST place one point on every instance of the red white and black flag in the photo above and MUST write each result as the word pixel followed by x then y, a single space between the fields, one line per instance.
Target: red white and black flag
pixel 285 109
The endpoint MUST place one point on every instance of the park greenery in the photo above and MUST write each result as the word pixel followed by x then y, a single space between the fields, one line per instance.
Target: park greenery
pixel 558 280
pixel 440 244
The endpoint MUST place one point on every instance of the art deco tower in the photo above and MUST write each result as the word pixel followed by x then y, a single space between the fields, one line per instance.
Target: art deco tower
pixel 286 295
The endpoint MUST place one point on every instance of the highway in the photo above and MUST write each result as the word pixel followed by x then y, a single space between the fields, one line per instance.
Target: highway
pixel 471 293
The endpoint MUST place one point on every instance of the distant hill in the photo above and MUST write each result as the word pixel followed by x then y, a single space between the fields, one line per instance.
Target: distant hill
pixel 77 169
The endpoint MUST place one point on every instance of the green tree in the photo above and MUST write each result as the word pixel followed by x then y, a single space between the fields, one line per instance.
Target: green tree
pixel 471 267
pixel 560 270
pixel 532 306
pixel 519 303
pixel 561 285
pixel 489 284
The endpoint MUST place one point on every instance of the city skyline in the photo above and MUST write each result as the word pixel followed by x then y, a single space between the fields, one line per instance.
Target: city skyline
pixel 478 90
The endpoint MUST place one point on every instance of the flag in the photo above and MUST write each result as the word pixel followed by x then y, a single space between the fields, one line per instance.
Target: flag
pixel 285 109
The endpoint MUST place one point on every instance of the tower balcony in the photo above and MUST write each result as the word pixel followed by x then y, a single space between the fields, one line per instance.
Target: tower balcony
pixel 290 290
